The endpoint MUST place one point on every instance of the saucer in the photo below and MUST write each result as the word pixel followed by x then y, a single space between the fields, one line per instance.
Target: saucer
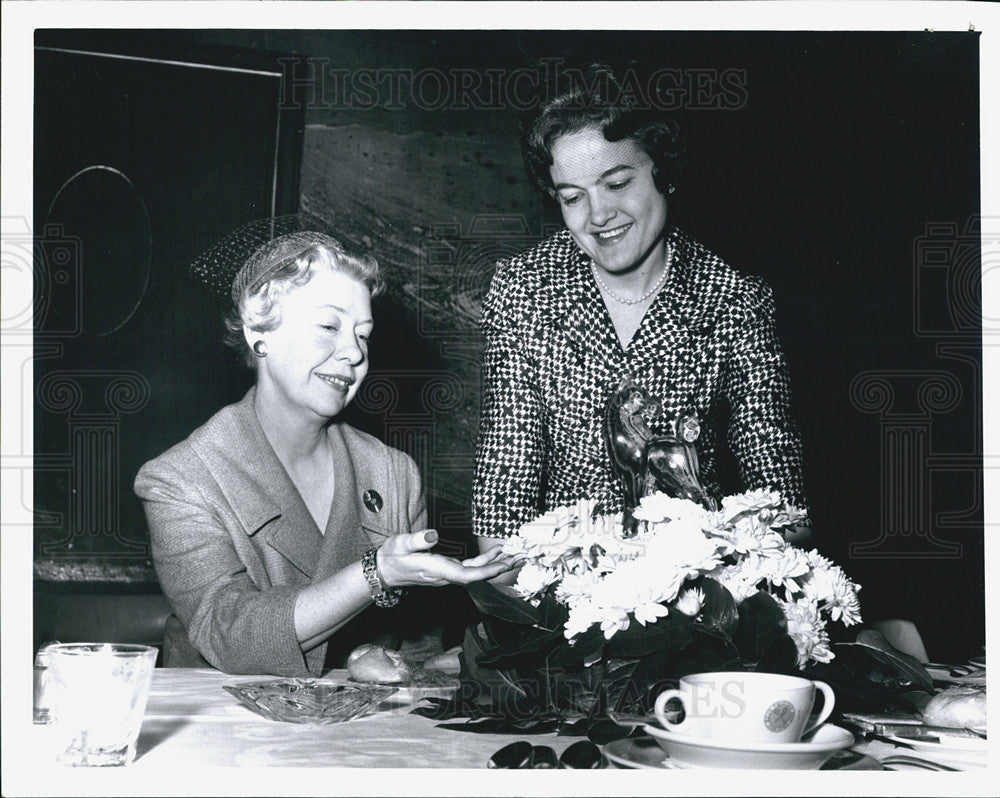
pixel 688 751
pixel 970 750
pixel 636 752
pixel 641 753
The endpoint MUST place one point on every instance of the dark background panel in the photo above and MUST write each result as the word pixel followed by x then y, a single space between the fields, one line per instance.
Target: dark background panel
pixel 841 167
pixel 141 162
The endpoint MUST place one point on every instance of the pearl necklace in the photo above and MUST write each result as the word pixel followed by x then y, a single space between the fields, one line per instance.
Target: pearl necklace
pixel 644 297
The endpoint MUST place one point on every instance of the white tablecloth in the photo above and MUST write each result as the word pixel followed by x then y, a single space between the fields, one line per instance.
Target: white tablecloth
pixel 192 722
pixel 190 718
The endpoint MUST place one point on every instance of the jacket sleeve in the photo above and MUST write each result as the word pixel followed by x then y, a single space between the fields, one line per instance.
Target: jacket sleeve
pixel 235 625
pixel 510 455
pixel 762 434
pixel 410 489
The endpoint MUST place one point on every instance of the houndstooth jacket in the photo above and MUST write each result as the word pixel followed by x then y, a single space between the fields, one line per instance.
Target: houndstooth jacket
pixel 552 360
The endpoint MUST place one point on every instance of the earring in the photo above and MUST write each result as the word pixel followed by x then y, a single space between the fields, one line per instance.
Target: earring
pixel 672 189
pixel 259 349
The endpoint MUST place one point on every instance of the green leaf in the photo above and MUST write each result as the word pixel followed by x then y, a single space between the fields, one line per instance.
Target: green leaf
pixel 605 731
pixel 762 621
pixel 781 657
pixel 670 633
pixel 619 683
pixel 856 692
pixel 719 610
pixel 504 725
pixel 502 603
pixel 576 728
pixel 503 685
pixel 531 642
pixel 649 678
pixel 586 646
pixel 710 650
pixel 906 666
pixel 551 614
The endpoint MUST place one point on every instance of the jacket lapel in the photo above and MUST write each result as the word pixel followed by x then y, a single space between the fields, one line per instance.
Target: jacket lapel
pixel 576 310
pixel 343 541
pixel 259 489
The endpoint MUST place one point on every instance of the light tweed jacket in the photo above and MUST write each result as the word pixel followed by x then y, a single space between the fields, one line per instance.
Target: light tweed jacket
pixel 233 542
pixel 552 360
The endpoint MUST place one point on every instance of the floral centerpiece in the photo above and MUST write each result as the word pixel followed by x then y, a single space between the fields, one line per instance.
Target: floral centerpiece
pixel 682 555
pixel 603 617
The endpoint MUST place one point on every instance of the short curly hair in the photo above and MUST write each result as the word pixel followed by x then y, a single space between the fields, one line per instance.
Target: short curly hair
pixel 595 98
pixel 296 257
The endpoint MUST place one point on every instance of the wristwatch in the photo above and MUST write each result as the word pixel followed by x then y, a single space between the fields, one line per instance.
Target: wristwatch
pixel 383 596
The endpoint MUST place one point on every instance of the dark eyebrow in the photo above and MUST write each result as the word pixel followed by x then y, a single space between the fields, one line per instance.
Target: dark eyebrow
pixel 604 175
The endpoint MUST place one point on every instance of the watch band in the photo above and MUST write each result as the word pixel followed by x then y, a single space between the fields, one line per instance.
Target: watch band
pixel 382 596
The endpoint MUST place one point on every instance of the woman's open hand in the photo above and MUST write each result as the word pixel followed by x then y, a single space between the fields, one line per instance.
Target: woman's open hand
pixel 405 560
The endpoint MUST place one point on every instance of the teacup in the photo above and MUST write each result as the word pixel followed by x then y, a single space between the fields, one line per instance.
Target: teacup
pixel 746 707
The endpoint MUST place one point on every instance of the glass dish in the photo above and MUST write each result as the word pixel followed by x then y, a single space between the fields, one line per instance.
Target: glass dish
pixel 309 700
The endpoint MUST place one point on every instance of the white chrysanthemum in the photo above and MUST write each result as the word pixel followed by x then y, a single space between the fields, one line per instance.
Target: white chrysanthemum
pixel 514 545
pixel 817 560
pixel 557 528
pixel 751 503
pixel 650 612
pixel 691 601
pixel 789 515
pixel 660 507
pixel 683 546
pixel 637 583
pixel 836 595
pixel 785 570
pixel 576 588
pixel 817 586
pixel 544 530
pixel 568 539
pixel 532 580
pixel 608 580
pixel 582 615
pixel 749 536
pixel 617 622
pixel 808 631
pixel 740 580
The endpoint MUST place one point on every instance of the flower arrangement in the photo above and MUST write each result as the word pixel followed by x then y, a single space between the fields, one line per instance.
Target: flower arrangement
pixel 602 577
pixel 605 615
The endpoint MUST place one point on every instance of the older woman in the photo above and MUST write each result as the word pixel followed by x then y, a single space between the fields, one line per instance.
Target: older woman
pixel 274 527
pixel 619 293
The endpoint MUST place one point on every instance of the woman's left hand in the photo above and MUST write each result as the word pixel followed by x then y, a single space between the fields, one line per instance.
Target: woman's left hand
pixel 406 560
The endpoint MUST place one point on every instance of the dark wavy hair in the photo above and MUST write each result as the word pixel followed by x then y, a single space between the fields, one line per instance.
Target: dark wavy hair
pixel 595 98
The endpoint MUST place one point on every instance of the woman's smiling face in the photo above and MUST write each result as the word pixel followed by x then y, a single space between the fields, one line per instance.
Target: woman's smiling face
pixel 318 355
pixel 609 200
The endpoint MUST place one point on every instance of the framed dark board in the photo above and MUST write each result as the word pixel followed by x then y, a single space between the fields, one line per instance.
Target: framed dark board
pixel 145 154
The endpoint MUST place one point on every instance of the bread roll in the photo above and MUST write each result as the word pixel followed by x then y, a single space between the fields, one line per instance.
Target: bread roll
pixel 962 707
pixel 359 651
pixel 376 664
pixel 447 661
